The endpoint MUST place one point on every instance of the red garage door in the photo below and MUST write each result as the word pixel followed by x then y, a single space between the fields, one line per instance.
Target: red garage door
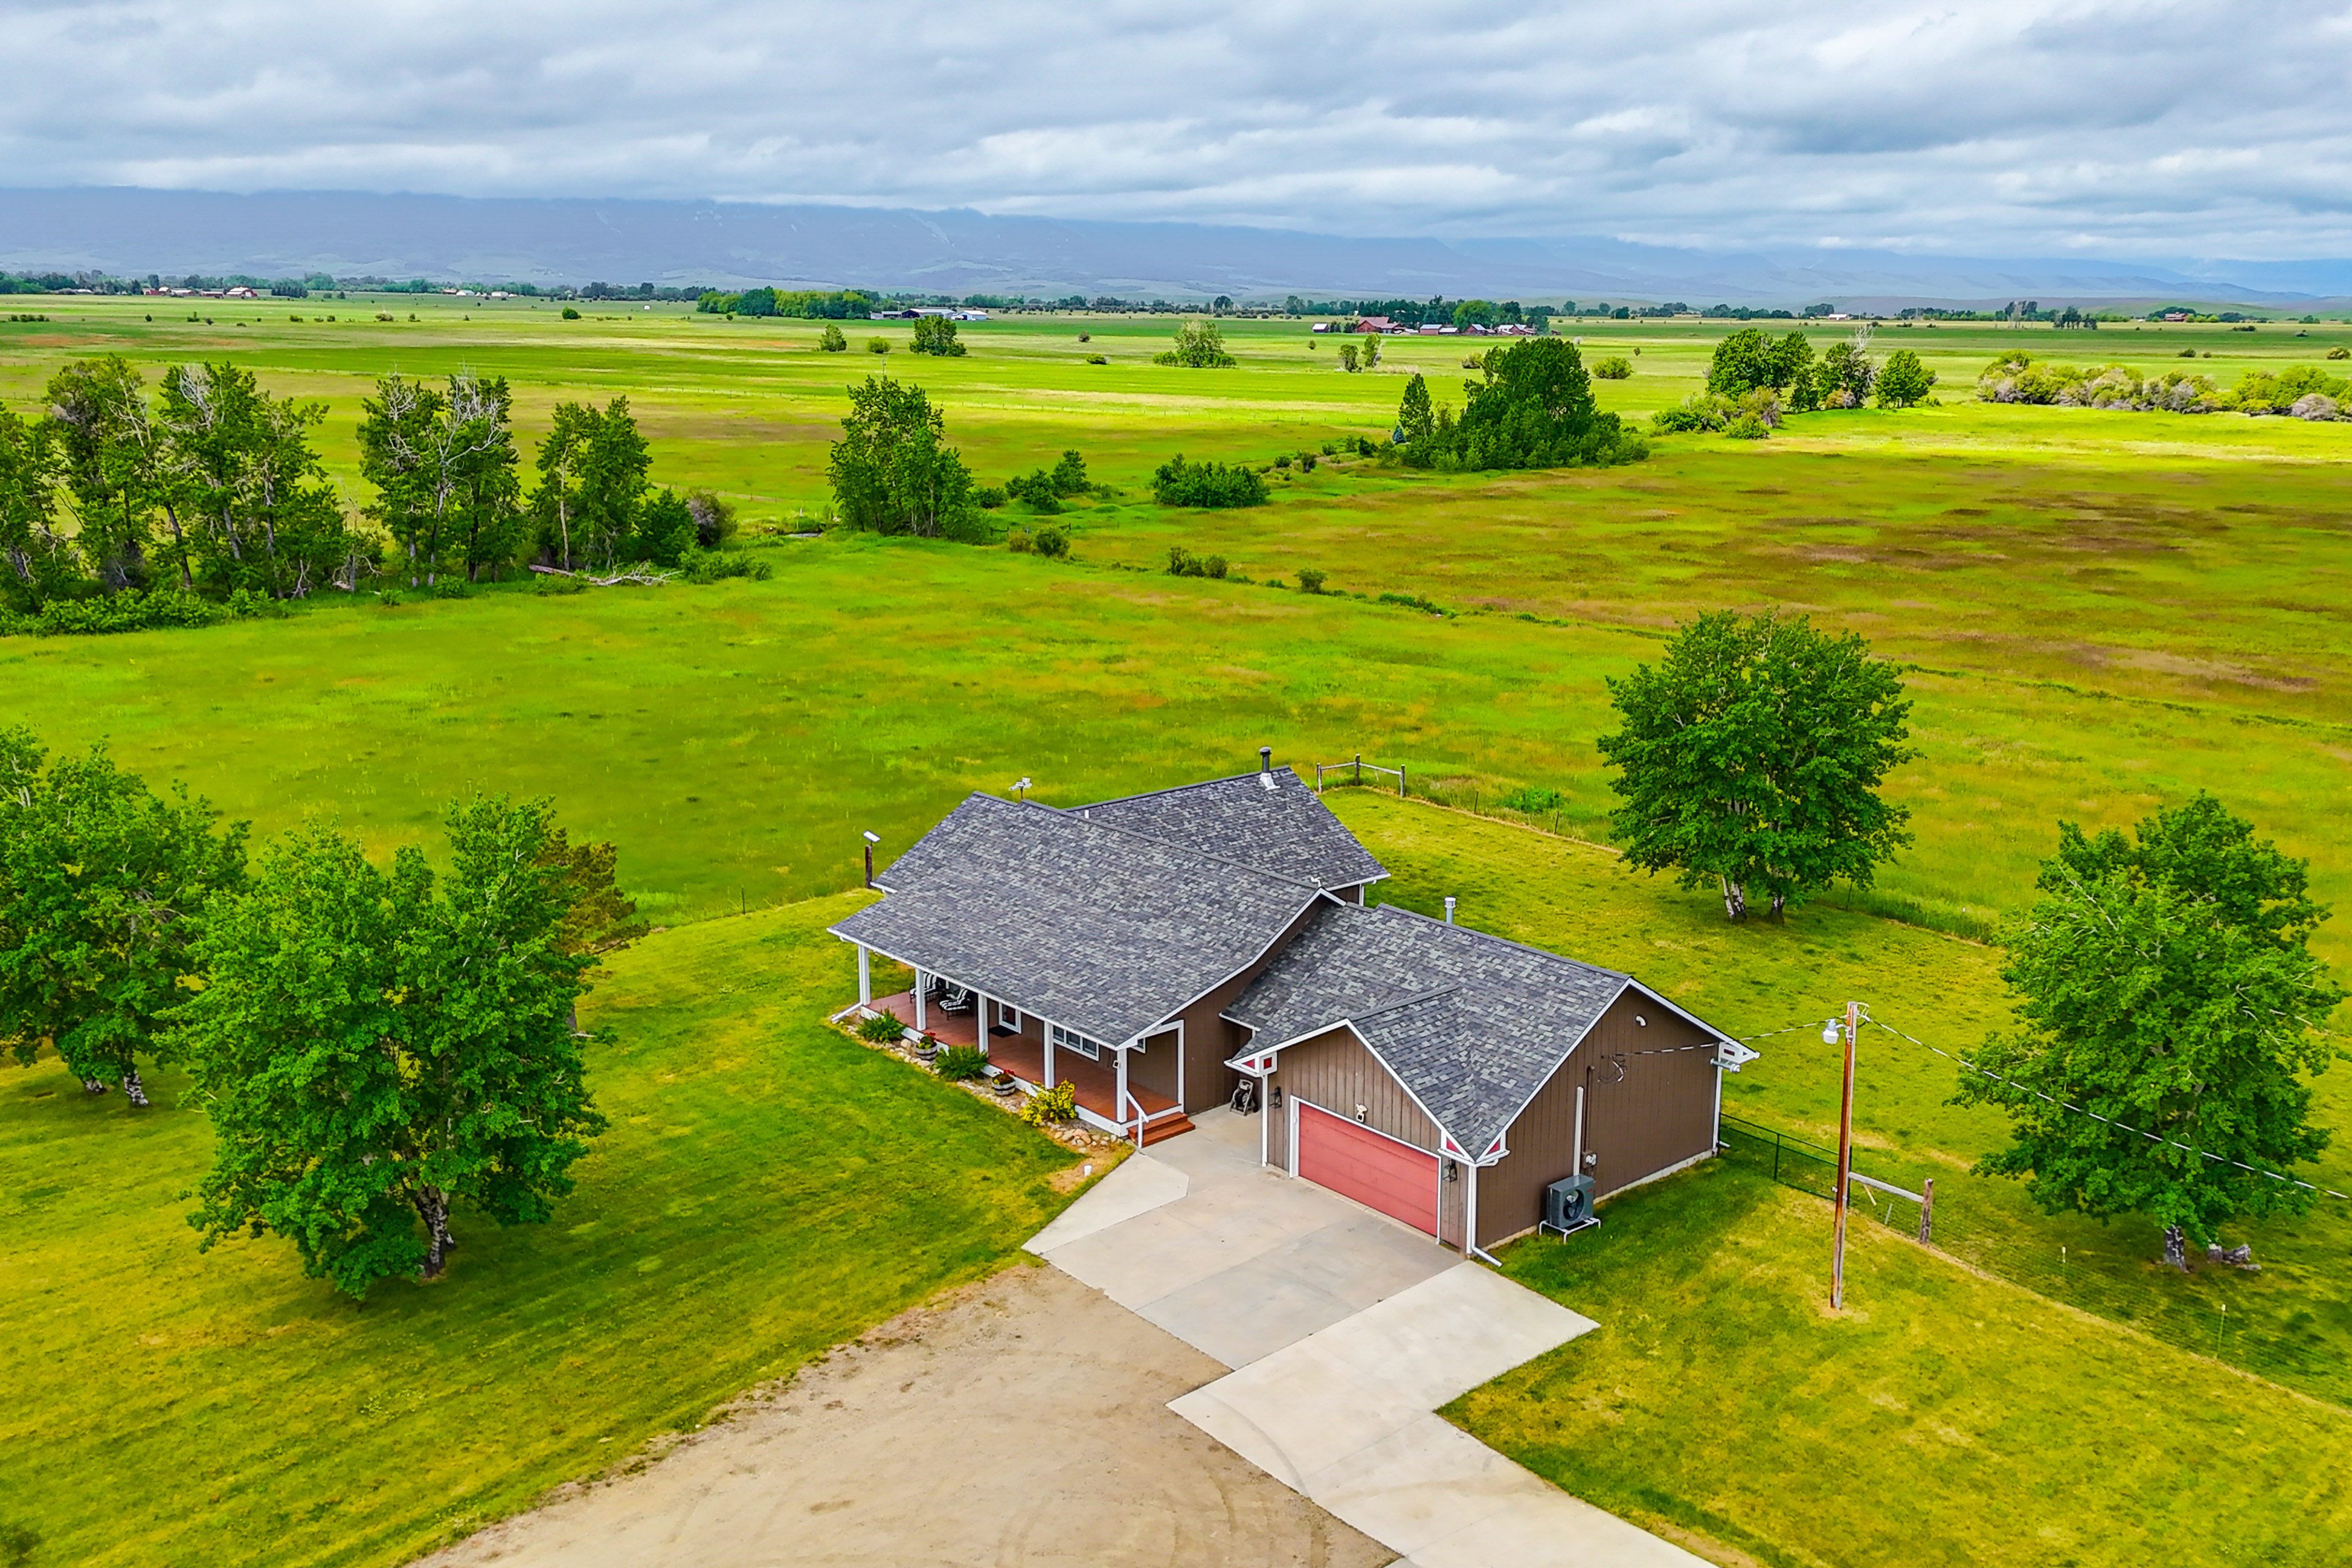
pixel 1378 1172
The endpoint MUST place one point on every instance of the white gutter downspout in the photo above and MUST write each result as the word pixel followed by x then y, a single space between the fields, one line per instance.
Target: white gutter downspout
pixel 1470 1223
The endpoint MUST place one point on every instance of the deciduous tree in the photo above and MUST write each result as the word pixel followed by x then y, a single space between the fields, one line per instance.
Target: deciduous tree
pixel 1416 420
pixel 1751 756
pixel 2170 1011
pixel 100 883
pixel 892 470
pixel 36 562
pixel 1533 409
pixel 443 464
pixel 1199 345
pixel 111 459
pixel 377 1047
pixel 1904 381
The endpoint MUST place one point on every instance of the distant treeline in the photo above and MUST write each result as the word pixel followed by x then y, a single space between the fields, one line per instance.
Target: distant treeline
pixel 842 305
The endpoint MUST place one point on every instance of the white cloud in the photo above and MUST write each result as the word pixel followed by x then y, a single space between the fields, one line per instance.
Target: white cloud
pixel 2136 126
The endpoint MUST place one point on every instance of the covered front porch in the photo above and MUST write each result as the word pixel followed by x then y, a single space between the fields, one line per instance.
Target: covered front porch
pixel 1032 1061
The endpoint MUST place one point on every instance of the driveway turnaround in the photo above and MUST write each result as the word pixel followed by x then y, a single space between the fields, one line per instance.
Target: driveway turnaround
pixel 1346 1331
pixel 1021 1423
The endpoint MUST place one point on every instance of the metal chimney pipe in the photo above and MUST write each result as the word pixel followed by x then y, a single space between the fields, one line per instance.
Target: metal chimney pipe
pixel 1265 759
pixel 1449 908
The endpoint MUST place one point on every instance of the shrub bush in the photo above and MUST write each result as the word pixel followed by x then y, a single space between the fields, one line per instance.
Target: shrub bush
pixel 1179 483
pixel 1616 367
pixel 959 1063
pixel 1534 799
pixel 878 346
pixel 712 565
pixel 881 1029
pixel 1310 581
pixel 1182 562
pixel 124 611
pixel 990 497
pixel 569 314
pixel 2019 377
pixel 2339 351
pixel 831 342
pixel 1053 542
pixel 1035 491
pixel 1096 359
pixel 1060 1103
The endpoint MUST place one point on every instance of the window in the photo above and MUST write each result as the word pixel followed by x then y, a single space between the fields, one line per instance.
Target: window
pixel 1071 1040
pixel 1009 1015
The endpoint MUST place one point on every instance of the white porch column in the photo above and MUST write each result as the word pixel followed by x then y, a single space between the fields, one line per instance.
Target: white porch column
pixel 923 1012
pixel 980 1019
pixel 865 974
pixel 1049 1052
pixel 1122 1108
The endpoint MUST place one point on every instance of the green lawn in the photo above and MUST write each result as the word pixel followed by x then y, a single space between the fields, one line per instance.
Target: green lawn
pixel 1944 1421
pixel 766 1189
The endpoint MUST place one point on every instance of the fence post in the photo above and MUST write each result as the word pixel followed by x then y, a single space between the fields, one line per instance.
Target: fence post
pixel 1928 1212
pixel 1400 783
pixel 1359 767
pixel 1776 1156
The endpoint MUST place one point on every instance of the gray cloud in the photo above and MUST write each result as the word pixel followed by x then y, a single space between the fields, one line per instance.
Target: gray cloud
pixel 2100 127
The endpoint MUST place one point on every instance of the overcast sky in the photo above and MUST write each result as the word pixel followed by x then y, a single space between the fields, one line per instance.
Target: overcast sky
pixel 2123 130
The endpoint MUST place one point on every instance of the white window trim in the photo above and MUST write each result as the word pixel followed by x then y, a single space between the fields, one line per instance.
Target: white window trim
pixel 1009 1016
pixel 1068 1039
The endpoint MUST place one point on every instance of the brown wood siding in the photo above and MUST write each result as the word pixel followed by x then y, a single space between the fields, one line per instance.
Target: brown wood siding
pixel 1154 1067
pixel 1335 1071
pixel 1210 1042
pixel 1649 1106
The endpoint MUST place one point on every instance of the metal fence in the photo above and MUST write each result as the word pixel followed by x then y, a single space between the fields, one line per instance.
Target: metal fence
pixel 2107 1279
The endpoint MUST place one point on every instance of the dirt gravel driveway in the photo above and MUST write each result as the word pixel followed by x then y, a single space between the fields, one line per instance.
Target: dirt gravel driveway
pixel 1021 1423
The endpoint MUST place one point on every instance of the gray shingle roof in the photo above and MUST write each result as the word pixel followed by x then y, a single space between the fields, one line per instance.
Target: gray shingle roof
pixel 1286 830
pixel 1472 1024
pixel 1104 931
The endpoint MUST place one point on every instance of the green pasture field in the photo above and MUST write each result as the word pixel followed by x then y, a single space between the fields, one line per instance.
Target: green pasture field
pixel 2107 612
pixel 1945 1420
pixel 768 1188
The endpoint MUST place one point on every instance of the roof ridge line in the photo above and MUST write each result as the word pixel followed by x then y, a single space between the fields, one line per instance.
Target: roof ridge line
pixel 1072 812
pixel 1178 789
pixel 1506 942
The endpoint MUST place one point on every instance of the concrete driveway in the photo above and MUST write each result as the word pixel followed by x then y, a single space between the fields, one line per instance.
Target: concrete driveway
pixel 1346 1331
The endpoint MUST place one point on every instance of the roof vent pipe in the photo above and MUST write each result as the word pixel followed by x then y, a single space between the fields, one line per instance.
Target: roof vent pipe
pixel 1449 908
pixel 1265 767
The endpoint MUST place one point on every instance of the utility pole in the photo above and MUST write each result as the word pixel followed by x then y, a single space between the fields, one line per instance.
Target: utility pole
pixel 1846 1157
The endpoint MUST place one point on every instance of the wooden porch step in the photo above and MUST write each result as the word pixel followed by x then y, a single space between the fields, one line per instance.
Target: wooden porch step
pixel 1159 1132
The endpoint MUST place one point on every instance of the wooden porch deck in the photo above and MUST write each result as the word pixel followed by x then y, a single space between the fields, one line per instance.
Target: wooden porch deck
pixel 1024 1059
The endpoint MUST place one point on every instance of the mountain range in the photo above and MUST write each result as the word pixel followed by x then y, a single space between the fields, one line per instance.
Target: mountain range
pixel 133 232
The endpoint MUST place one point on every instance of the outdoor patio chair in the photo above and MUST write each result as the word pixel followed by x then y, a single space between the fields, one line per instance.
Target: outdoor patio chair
pixel 955 999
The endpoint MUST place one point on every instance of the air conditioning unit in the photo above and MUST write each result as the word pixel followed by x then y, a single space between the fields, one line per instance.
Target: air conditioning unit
pixel 1568 1204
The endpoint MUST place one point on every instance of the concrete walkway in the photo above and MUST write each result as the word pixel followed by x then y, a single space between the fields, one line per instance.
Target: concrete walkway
pixel 1347 1329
